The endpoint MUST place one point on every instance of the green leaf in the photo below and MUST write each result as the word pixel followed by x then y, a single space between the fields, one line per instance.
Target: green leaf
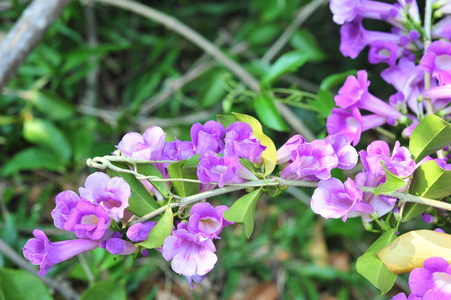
pixel 141 203
pixel 226 120
pixel 372 268
pixel 269 114
pixel 391 184
pixel 20 285
pixel 215 91
pixel 151 170
pixel 161 231
pixel 110 289
pixel 288 62
pixel 305 41
pixel 335 79
pixel 269 156
pixel 243 210
pixel 430 135
pixel 45 133
pixel 324 103
pixel 52 106
pixel 431 181
pixel 31 159
pixel 183 189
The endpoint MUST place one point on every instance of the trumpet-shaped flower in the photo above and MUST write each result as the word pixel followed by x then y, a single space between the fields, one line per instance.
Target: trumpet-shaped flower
pixel 208 220
pixel 213 168
pixel 240 141
pixel 437 61
pixel 208 137
pixel 346 154
pixel 88 221
pixel 148 146
pixel 65 203
pixel 40 251
pixel 140 231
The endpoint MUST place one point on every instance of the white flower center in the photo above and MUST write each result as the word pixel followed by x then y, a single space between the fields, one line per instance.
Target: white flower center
pixel 442 282
pixel 443 62
pixel 89 220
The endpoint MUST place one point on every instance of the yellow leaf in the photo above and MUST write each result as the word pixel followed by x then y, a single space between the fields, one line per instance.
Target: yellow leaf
pixel 269 156
pixel 411 249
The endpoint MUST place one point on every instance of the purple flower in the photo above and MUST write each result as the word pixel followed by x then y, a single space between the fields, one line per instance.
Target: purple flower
pixel 117 246
pixel 383 52
pixel 311 161
pixel 240 141
pixel 195 278
pixel 333 199
pixel 399 163
pixel 208 220
pixel 284 152
pixel 148 146
pixel 110 193
pixel 346 154
pixel 443 164
pixel 348 10
pixel 439 92
pixel 402 296
pixel 437 61
pixel 65 204
pixel 213 168
pixel 88 221
pixel 178 150
pixel 192 254
pixel 140 231
pixel 433 281
pixel 40 251
pixel 354 93
pixel 352 123
pixel 208 137
pixel 442 29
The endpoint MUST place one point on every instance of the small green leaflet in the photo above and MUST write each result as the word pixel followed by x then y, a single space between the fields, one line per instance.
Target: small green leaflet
pixel 372 268
pixel 430 135
pixel 431 181
pixel 391 184
pixel 226 120
pixel 183 188
pixel 268 113
pixel 160 232
pixel 243 210
pixel 141 203
pixel 288 62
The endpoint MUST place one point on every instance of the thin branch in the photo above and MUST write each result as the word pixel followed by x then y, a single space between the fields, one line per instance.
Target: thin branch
pixel 301 17
pixel 62 287
pixel 91 79
pixel 25 35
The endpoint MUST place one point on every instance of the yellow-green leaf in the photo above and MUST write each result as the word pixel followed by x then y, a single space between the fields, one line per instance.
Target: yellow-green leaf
pixel 269 156
pixel 411 249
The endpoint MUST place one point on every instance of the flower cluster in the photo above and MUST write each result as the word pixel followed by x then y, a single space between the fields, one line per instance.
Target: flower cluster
pixel 89 216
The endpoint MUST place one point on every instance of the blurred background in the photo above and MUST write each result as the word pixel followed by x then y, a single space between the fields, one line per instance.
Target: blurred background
pixel 101 71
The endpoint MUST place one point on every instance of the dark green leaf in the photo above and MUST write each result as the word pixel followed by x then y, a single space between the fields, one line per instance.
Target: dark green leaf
pixel 335 79
pixel 141 203
pixel 268 113
pixel 372 268
pixel 151 170
pixel 226 120
pixel 20 285
pixel 215 91
pixel 288 62
pixel 45 133
pixel 430 135
pixel 305 41
pixel 110 289
pixel 161 231
pixel 52 106
pixel 412 210
pixel 31 159
pixel 431 181
pixel 183 189
pixel 243 210
pixel 391 184
pixel 324 103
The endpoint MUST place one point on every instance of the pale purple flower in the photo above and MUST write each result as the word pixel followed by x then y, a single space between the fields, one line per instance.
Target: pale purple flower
pixel 110 193
pixel 346 154
pixel 284 152
pixel 65 204
pixel 240 141
pixel 443 163
pixel 383 52
pixel 148 146
pixel 178 150
pixel 311 161
pixel 208 137
pixel 195 279
pixel 402 296
pixel 354 38
pixel 351 123
pixel 427 218
pixel 40 251
pixel 140 231
pixel 208 220
pixel 118 246
pixel 442 29
pixel 439 92
pixel 88 221
pixel 354 93
pixel 333 199
pixel 192 254
pixel 214 168
pixel 433 281
pixel 347 10
pixel 437 61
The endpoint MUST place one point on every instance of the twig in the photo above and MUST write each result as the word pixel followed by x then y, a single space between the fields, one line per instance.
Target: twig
pixel 204 44
pixel 91 79
pixel 62 287
pixel 25 35
pixel 301 17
